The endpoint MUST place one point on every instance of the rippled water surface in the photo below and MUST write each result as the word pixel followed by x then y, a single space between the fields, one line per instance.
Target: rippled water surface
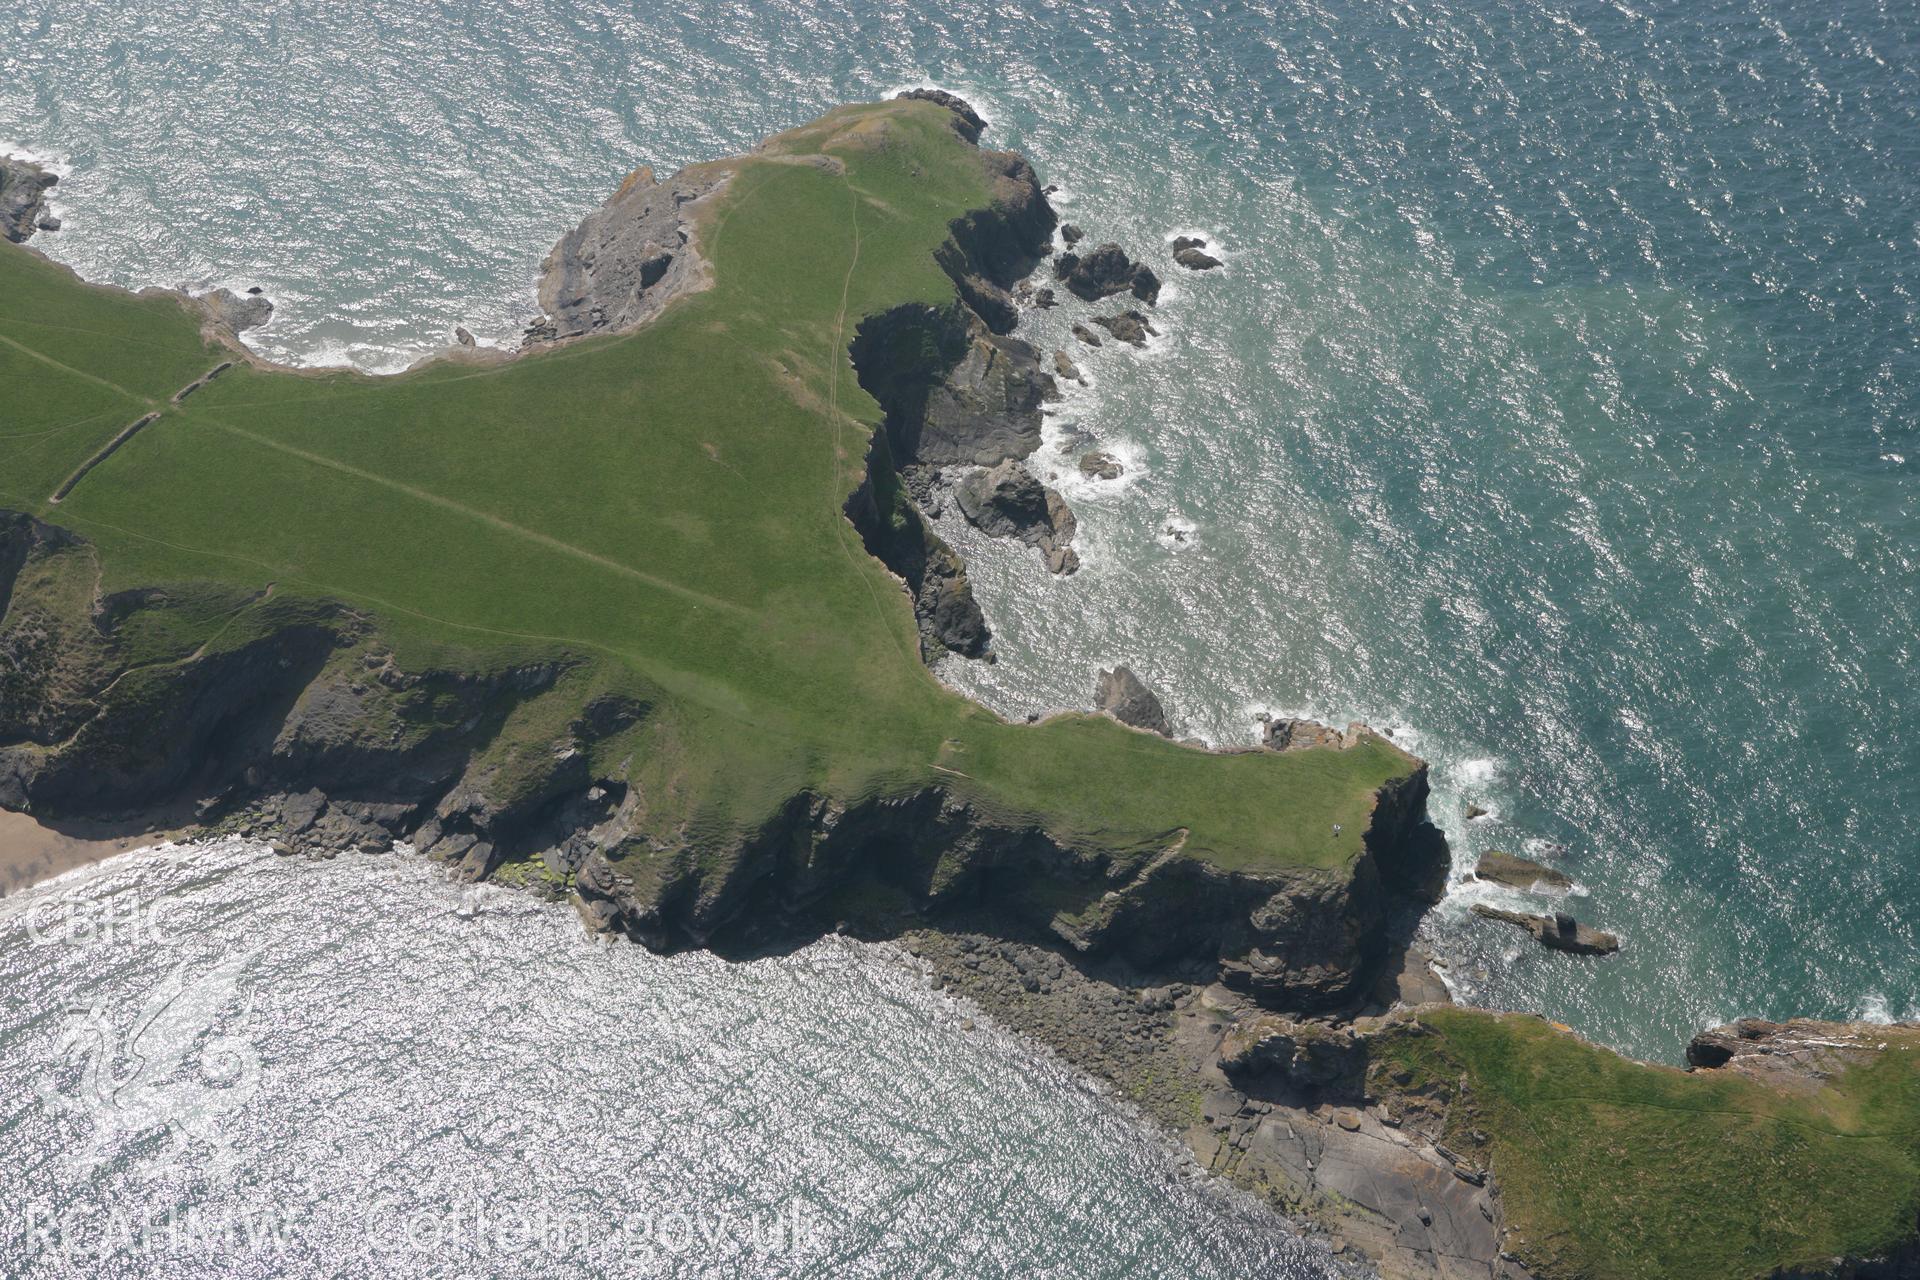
pixel 356 1067
pixel 1557 405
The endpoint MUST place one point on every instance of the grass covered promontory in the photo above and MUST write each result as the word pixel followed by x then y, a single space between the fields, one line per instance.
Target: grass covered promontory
pixel 660 511
pixel 1611 1168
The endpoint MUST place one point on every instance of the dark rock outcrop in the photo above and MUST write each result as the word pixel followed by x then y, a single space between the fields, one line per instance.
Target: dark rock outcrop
pixel 953 392
pixel 967 122
pixel 898 535
pixel 1124 696
pixel 23 199
pixel 1007 502
pixel 1308 1056
pixel 1104 272
pixel 1071 235
pixel 1086 335
pixel 1129 326
pixel 1557 932
pixel 1519 873
pixel 1099 465
pixel 989 249
pixel 1191 253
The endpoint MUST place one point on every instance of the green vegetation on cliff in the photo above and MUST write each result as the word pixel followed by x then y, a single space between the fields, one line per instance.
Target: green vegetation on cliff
pixel 1615 1168
pixel 665 504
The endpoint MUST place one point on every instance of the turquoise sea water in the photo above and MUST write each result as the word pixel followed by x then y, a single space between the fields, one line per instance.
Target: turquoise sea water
pixel 1558 406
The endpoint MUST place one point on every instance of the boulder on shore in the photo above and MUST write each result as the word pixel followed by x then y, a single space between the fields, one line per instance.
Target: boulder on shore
pixel 1122 695
pixel 1104 272
pixel 1519 873
pixel 1007 502
pixel 1557 932
pixel 237 311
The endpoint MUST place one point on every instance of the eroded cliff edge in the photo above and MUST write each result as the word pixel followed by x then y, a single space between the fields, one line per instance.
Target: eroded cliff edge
pixel 293 718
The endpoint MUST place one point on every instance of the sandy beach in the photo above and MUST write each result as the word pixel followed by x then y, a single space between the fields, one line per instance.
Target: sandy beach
pixel 30 852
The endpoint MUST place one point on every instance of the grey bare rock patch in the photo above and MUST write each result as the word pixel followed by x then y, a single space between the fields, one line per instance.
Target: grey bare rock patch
pixel 627 259
pixel 1519 873
pixel 1556 932
pixel 1124 696
pixel 1007 502
pixel 237 312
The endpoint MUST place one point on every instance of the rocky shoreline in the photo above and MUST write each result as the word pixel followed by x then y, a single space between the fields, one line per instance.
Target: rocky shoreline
pixel 1238 1008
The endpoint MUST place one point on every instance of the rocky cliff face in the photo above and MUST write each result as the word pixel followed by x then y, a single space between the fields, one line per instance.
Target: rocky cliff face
pixel 956 391
pixel 300 725
pixel 23 198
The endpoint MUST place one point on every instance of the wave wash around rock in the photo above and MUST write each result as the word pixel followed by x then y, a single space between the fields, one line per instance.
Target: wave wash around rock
pixel 596 615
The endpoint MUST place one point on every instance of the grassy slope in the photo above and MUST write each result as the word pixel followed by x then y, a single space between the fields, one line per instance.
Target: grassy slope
pixel 1614 1168
pixel 669 500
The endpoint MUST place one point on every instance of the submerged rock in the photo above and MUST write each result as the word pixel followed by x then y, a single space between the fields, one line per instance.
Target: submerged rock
pixel 1129 326
pixel 1122 695
pixel 23 195
pixel 1104 272
pixel 1520 873
pixel 1557 932
pixel 1007 502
